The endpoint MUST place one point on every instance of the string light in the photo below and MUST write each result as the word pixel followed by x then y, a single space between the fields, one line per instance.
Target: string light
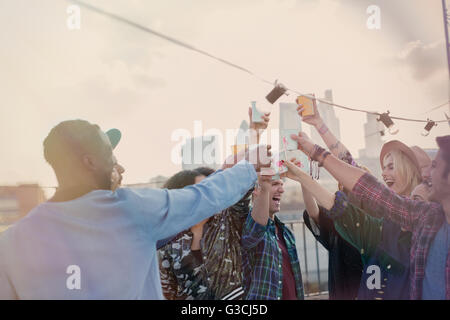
pixel 428 127
pixel 226 62
pixel 387 121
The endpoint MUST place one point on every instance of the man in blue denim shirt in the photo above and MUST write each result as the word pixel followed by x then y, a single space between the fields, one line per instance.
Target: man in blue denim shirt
pixel 103 240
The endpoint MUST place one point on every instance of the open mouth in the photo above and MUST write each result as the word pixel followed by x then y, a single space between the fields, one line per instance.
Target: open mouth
pixel 389 183
pixel 276 199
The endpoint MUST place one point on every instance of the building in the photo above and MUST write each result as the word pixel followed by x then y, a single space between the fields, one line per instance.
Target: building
pixel 370 155
pixel 328 115
pixel 17 201
pixel 201 151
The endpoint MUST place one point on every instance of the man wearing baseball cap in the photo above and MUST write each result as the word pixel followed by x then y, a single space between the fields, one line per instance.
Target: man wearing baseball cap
pixel 88 242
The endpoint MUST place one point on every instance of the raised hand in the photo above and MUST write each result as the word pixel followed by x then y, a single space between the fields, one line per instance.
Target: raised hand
pixel 259 157
pixel 264 185
pixel 305 144
pixel 259 125
pixel 293 167
pixel 314 120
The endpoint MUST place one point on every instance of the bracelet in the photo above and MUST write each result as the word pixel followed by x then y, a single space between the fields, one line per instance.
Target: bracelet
pixel 318 150
pixel 324 156
pixel 323 129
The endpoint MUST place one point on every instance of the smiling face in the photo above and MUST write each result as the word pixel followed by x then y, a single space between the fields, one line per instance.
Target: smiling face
pixel 440 179
pixel 421 192
pixel 276 191
pixel 400 174
pixel 391 176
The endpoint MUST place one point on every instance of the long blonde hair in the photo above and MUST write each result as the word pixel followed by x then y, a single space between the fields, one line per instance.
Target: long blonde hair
pixel 406 170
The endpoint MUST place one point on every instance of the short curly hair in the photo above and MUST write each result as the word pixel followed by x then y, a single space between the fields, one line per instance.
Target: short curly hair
pixel 182 179
pixel 71 137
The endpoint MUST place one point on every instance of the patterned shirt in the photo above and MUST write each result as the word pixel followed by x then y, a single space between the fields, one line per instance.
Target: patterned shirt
pixel 219 275
pixel 222 253
pixel 183 275
pixel 423 219
pixel 262 259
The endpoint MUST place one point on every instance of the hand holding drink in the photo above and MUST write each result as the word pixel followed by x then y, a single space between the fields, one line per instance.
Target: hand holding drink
pixel 307 109
pixel 259 117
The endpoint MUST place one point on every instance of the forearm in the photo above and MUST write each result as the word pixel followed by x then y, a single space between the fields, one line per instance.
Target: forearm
pixel 322 195
pixel 375 198
pixel 254 136
pixel 310 205
pixel 185 207
pixel 334 145
pixel 346 174
pixel 260 212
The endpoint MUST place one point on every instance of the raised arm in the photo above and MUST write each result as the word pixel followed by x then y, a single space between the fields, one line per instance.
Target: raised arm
pixel 336 147
pixel 260 212
pixel 257 128
pixel 255 226
pixel 310 205
pixel 324 197
pixel 167 212
pixel 367 193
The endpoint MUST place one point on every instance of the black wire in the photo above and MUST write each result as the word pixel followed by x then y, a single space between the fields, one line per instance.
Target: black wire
pixel 233 65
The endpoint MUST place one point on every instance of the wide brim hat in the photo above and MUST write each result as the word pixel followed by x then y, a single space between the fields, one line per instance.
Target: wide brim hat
pixel 397 145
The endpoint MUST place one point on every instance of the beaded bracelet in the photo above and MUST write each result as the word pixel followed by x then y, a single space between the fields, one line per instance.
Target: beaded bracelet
pixel 324 156
pixel 318 150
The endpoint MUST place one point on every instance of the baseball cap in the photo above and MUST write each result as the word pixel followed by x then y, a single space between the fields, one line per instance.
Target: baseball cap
pixel 114 136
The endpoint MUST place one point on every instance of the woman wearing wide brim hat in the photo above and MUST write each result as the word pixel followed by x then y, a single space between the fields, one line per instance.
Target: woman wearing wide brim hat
pixel 386 238
pixel 402 166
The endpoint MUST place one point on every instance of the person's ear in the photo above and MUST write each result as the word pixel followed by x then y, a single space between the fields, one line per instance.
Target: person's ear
pixel 89 162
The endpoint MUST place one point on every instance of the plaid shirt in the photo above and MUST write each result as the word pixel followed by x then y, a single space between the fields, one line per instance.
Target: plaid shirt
pixel 262 259
pixel 423 219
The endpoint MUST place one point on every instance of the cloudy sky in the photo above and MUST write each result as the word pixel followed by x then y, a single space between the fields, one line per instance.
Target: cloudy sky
pixel 116 76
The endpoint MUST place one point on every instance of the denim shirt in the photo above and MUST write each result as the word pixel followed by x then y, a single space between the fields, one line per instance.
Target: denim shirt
pixel 108 238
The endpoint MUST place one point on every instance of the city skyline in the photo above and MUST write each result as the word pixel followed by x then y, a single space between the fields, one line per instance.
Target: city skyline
pixel 115 76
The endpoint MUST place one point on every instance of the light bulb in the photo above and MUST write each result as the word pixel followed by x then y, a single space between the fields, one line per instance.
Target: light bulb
pixel 426 131
pixel 393 129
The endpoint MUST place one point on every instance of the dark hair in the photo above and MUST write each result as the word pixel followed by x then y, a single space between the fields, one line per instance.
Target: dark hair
pixel 69 138
pixel 181 179
pixel 444 146
pixel 205 171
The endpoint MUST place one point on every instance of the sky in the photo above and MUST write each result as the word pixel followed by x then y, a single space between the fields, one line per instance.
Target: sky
pixel 116 76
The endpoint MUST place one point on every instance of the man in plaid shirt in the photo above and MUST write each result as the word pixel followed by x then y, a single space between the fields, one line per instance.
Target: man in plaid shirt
pixel 270 261
pixel 428 221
